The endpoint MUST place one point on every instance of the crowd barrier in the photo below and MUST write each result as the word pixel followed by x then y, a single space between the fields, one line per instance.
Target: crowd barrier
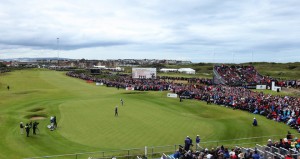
pixel 153 152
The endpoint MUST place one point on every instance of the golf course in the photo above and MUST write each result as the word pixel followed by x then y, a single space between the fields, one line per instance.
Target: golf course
pixel 87 123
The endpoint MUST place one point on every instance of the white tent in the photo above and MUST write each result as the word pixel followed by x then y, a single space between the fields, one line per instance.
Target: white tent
pixel 187 70
pixel 168 70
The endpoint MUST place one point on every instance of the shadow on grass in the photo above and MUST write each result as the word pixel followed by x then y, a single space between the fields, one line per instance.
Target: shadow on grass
pixel 36 109
pixel 26 92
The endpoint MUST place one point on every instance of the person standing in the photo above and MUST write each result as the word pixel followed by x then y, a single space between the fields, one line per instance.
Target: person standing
pixel 27 128
pixel 116 111
pixel 187 143
pixel 21 127
pixel 8 88
pixel 254 122
pixel 197 142
pixel 270 144
pixel 122 102
pixel 30 125
pixel 208 99
pixel 54 122
pixel 34 127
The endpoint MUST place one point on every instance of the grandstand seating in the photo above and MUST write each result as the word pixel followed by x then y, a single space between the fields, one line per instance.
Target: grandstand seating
pixel 238 75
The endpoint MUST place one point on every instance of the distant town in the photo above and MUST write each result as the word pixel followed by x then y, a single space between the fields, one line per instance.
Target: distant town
pixel 84 63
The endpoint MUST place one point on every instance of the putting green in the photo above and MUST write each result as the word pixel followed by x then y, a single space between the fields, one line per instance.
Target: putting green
pixel 86 120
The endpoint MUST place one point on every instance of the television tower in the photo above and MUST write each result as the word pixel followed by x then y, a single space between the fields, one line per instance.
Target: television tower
pixel 57 43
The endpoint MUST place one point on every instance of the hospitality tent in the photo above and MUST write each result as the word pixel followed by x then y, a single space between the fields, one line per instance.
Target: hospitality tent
pixel 187 70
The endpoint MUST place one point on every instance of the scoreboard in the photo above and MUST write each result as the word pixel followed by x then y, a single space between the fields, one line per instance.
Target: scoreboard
pixel 144 73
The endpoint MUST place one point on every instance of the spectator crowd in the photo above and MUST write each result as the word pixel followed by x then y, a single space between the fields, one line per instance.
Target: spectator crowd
pixel 288 146
pixel 238 75
pixel 124 81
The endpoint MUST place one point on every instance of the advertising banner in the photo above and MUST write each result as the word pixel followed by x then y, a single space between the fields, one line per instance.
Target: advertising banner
pixel 261 86
pixel 172 95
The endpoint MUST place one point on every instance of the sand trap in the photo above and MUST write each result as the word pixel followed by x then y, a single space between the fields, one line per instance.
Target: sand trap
pixel 37 118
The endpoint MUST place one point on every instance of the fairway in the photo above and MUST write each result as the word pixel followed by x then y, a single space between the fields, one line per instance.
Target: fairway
pixel 86 121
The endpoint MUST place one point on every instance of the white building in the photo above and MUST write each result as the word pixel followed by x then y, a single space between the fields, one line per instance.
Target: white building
pixel 99 67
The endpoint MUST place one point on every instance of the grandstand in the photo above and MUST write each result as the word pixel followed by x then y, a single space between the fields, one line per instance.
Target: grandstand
pixel 248 77
pixel 238 75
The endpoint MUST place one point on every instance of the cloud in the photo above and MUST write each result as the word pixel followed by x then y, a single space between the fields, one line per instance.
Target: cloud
pixel 146 29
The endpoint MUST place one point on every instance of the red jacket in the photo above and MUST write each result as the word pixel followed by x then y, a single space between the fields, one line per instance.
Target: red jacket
pixel 298 121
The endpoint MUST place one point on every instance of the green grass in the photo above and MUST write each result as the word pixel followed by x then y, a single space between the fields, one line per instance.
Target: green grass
pixel 282 93
pixel 283 71
pixel 86 121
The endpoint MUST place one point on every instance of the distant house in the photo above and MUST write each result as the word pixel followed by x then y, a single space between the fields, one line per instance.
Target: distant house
pixel 117 69
pixel 96 69
pixel 170 61
pixel 8 64
pixel 187 70
pixel 99 67
pixel 184 62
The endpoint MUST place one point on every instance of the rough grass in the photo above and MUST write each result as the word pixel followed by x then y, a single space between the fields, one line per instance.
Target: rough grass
pixel 86 120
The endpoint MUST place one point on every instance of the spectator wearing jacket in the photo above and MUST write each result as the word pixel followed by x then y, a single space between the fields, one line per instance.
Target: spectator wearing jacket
pixel 197 142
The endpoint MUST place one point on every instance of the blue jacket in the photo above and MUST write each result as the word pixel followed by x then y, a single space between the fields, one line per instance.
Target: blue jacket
pixel 255 156
pixel 197 139
pixel 255 122
pixel 187 141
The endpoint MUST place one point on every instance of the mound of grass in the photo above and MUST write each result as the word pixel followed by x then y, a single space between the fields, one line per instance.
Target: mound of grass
pixel 36 109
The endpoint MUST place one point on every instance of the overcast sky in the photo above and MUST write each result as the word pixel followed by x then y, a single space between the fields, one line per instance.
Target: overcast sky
pixel 196 30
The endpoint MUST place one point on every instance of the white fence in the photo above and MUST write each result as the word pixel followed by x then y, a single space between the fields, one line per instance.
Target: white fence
pixel 252 143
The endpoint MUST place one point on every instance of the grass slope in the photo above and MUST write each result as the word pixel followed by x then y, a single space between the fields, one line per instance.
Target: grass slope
pixel 86 121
